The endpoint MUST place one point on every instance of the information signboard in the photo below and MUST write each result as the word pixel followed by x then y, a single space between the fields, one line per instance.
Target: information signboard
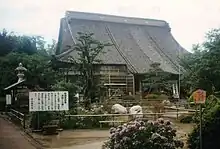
pixel 8 99
pixel 49 101
pixel 199 96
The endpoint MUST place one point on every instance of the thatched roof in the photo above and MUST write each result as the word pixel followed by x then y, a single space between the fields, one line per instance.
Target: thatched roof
pixel 137 42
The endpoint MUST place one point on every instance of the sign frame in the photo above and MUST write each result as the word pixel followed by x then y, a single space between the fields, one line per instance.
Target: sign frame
pixel 199 96
pixel 8 99
pixel 48 101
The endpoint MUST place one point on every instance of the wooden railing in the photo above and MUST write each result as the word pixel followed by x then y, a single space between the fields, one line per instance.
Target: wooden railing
pixel 102 115
pixel 17 117
pixel 155 115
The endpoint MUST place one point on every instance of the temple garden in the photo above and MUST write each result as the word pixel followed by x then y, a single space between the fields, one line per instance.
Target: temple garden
pixel 79 102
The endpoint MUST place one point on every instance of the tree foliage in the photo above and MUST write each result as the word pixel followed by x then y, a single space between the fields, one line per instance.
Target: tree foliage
pixel 9 42
pixel 210 126
pixel 88 49
pixel 158 81
pixel 62 85
pixel 39 73
pixel 203 71
pixel 28 51
pixel 203 65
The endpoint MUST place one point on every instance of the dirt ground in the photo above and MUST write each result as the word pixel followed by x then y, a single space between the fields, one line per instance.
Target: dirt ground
pixel 77 139
pixel 69 138
pixel 11 137
pixel 74 139
pixel 182 132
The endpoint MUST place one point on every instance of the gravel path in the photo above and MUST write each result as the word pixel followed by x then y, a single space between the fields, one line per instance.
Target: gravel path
pixel 12 138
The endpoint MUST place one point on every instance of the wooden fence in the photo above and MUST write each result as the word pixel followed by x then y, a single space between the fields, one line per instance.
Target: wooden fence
pixel 17 117
pixel 154 115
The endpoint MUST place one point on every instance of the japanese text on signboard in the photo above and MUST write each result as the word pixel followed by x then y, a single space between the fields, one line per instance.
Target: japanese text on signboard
pixel 49 101
pixel 199 96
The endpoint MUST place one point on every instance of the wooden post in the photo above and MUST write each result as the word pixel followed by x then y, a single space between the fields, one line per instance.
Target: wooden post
pixel 109 81
pixel 199 97
pixel 59 120
pixel 133 82
pixel 140 89
pixel 24 121
pixel 113 117
pixel 200 132
pixel 38 120
pixel 177 110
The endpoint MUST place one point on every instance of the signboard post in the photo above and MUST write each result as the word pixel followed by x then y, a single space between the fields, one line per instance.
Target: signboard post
pixel 199 97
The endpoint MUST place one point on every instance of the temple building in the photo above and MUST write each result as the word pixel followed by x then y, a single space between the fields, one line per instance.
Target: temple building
pixel 137 44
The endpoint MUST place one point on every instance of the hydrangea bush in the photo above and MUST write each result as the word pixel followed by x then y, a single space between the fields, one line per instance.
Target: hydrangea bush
pixel 139 135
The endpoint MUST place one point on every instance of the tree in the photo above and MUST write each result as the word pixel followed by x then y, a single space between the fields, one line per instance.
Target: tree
pixel 39 73
pixel 9 42
pixel 88 49
pixel 203 69
pixel 71 88
pixel 43 48
pixel 32 52
pixel 51 48
pixel 157 80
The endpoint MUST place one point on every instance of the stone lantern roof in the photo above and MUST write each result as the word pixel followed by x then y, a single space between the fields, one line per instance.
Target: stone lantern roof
pixel 20 69
pixel 20 73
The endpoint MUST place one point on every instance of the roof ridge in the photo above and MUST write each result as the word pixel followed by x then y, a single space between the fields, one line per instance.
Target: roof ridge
pixel 63 53
pixel 159 48
pixel 102 14
pixel 119 50
pixel 115 18
pixel 140 48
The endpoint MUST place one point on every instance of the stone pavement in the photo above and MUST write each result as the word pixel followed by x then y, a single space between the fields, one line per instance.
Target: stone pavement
pixel 11 137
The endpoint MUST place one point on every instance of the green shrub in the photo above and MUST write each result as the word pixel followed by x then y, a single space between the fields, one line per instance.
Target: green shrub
pixel 210 103
pixel 84 122
pixel 186 119
pixel 128 98
pixel 38 119
pixel 67 123
pixel 138 135
pixel 152 96
pixel 210 127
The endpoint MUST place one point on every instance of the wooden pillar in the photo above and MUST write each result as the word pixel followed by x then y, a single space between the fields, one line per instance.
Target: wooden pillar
pixel 140 88
pixel 67 75
pixel 126 82
pixel 133 85
pixel 109 81
pixel 13 97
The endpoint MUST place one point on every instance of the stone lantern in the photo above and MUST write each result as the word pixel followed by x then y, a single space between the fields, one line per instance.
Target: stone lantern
pixel 20 69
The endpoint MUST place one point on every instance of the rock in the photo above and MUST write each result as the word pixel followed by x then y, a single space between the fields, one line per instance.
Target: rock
pixel 117 108
pixel 136 110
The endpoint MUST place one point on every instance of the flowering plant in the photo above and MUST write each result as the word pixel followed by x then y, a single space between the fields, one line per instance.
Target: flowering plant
pixel 139 135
